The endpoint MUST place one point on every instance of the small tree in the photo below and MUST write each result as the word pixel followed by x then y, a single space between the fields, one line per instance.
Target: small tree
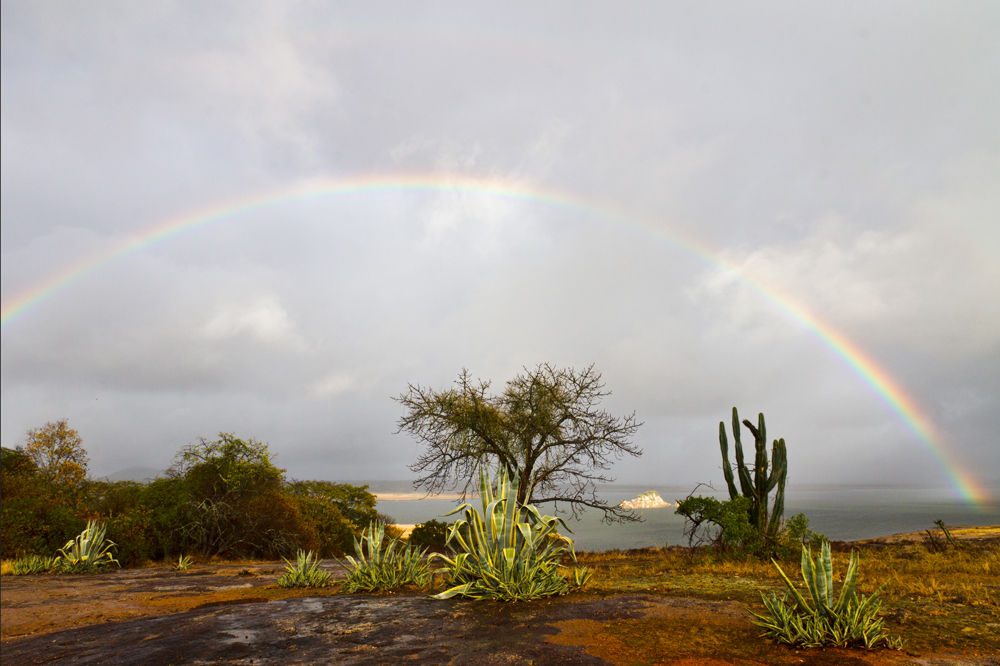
pixel 57 451
pixel 235 504
pixel 545 428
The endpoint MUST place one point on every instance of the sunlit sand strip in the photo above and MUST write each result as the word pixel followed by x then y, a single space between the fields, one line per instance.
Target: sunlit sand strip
pixel 416 496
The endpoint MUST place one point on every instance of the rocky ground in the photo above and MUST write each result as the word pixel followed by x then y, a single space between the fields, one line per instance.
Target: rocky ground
pixel 236 614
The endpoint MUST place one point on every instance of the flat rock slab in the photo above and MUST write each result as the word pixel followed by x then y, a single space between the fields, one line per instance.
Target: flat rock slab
pixel 414 629
pixel 375 629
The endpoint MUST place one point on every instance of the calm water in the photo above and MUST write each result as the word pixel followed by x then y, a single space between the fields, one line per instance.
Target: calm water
pixel 840 513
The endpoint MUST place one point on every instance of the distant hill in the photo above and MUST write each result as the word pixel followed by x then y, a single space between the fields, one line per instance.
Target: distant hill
pixel 140 474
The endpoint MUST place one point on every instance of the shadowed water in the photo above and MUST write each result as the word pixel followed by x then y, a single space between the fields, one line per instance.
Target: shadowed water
pixel 845 514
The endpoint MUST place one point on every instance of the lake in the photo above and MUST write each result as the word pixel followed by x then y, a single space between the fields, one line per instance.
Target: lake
pixel 841 513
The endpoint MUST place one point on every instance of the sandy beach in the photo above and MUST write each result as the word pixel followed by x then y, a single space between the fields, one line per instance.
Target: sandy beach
pixel 393 497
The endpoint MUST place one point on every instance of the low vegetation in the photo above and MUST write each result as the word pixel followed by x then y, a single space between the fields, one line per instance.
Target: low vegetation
pixel 848 620
pixel 384 565
pixel 508 551
pixel 305 572
pixel 222 498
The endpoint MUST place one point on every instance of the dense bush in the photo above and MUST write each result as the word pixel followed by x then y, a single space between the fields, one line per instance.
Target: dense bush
pixel 223 497
pixel 726 527
pixel 432 534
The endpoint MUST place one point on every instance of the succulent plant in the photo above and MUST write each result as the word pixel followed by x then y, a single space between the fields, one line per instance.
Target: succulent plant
pixel 382 565
pixel 757 488
pixel 845 620
pixel 507 551
pixel 305 572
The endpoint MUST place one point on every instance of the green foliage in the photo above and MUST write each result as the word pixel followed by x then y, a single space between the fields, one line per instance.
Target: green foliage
pixel 432 534
pixel 580 577
pixel 36 525
pixel 508 551
pixel 304 573
pixel 382 565
pixel 354 503
pixel 235 506
pixel 33 564
pixel 797 532
pixel 184 563
pixel 89 552
pixel 15 462
pixel 842 621
pixel 722 524
pixel 757 488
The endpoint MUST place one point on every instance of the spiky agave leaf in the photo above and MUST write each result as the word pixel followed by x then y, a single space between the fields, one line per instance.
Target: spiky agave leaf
pixel 851 620
pixel 506 551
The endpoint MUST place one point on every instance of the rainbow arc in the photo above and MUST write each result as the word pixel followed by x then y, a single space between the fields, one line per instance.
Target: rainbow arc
pixel 880 381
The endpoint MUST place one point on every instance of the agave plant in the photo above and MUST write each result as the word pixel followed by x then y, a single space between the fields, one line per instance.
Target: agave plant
pixel 33 564
pixel 846 620
pixel 383 565
pixel 183 563
pixel 87 553
pixel 506 552
pixel 304 573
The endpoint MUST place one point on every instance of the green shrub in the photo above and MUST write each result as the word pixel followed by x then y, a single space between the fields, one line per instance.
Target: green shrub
pixel 848 620
pixel 36 525
pixel 304 573
pixel 432 534
pixel 383 565
pixel 33 564
pixel 499 555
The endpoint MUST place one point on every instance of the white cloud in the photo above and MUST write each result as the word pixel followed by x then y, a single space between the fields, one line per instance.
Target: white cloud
pixel 264 320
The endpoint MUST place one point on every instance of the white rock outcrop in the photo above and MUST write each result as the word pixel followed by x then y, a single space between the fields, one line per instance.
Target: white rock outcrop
pixel 650 500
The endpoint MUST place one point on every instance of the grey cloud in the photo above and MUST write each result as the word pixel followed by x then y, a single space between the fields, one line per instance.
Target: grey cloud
pixel 843 155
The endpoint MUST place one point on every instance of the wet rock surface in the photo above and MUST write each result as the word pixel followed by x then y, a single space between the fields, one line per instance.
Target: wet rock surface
pixel 339 629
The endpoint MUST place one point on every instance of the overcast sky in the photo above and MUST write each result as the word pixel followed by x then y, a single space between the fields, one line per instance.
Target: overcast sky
pixel 843 155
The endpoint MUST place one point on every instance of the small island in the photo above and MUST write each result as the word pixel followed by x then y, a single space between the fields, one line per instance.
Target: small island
pixel 649 500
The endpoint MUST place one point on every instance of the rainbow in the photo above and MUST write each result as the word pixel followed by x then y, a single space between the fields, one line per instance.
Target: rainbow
pixel 893 395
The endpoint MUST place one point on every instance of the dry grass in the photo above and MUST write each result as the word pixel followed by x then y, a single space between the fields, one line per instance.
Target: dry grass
pixel 931 599
pixel 7 568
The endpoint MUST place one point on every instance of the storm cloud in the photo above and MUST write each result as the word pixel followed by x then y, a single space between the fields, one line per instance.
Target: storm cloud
pixel 842 158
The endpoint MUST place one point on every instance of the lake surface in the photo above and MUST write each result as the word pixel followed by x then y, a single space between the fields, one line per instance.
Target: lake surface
pixel 844 514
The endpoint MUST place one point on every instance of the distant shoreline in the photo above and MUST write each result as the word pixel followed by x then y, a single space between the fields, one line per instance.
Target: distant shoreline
pixel 405 497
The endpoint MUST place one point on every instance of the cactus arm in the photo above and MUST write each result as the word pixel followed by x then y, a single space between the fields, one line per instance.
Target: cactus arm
pixel 779 472
pixel 727 470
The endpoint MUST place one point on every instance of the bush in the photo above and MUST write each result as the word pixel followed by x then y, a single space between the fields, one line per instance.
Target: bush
pixel 726 527
pixel 432 534
pixel 383 566
pixel 849 620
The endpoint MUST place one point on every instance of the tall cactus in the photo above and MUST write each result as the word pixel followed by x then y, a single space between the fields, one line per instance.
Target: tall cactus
pixel 757 488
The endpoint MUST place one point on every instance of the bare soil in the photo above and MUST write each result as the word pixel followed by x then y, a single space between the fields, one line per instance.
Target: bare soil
pixel 236 614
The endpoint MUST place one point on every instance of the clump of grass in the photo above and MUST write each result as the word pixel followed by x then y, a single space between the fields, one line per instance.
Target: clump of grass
pixel 32 564
pixel 382 565
pixel 7 568
pixel 184 563
pixel 304 573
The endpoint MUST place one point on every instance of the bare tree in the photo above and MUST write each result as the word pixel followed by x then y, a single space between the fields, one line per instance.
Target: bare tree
pixel 545 427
